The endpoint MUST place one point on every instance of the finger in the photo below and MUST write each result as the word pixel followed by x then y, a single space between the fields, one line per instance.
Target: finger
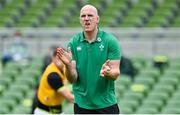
pixel 69 51
pixel 58 50
pixel 61 51
pixel 104 66
pixel 107 62
pixel 59 56
pixel 102 73
pixel 108 68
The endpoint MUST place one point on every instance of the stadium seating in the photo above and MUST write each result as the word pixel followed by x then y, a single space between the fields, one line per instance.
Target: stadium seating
pixel 17 85
pixel 149 92
pixel 114 13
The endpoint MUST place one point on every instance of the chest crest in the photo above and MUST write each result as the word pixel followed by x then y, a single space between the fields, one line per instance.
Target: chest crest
pixel 101 47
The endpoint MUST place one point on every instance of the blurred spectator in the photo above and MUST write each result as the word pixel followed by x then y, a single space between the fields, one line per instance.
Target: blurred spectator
pixel 53 89
pixel 127 67
pixel 48 57
pixel 46 61
pixel 161 62
pixel 17 51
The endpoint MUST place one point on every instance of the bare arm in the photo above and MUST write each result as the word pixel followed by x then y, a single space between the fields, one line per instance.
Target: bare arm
pixel 110 69
pixel 56 82
pixel 66 58
pixel 71 72
pixel 66 93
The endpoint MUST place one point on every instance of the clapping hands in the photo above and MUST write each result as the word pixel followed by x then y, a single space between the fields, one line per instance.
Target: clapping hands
pixel 105 70
pixel 64 56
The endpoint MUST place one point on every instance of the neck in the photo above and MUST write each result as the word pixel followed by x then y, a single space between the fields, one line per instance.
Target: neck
pixel 91 36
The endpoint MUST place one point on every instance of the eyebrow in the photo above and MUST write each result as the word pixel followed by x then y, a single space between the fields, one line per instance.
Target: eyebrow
pixel 89 15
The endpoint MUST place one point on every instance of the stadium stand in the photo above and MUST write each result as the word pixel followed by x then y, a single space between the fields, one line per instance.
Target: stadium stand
pixel 114 13
pixel 150 92
pixel 160 96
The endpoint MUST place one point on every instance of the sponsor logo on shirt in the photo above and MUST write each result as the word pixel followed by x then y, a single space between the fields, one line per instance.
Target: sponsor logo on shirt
pixel 78 48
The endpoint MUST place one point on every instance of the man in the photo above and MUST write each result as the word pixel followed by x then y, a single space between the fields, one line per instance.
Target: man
pixel 48 56
pixel 92 63
pixel 52 89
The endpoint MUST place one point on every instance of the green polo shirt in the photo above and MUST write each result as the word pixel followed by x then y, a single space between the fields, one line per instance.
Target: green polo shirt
pixel 91 90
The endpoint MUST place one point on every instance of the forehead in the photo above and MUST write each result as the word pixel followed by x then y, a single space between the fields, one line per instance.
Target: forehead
pixel 88 10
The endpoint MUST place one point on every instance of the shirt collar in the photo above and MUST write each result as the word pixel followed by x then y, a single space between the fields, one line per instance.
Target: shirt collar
pixel 98 37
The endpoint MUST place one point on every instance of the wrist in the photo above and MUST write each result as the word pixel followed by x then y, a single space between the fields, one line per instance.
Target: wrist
pixel 69 64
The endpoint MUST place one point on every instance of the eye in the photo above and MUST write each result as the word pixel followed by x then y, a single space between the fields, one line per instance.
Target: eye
pixel 82 16
pixel 90 15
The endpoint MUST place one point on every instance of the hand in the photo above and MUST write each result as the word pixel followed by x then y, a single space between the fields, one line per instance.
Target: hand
pixel 65 57
pixel 105 70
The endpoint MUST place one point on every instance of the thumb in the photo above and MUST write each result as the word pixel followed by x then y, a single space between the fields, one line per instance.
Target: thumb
pixel 69 50
pixel 107 62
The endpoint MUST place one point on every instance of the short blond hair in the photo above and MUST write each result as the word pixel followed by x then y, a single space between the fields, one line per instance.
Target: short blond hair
pixel 90 6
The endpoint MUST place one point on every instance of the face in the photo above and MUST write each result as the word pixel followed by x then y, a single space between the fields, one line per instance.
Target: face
pixel 89 18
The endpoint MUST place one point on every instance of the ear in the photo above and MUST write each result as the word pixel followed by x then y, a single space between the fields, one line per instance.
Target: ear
pixel 98 19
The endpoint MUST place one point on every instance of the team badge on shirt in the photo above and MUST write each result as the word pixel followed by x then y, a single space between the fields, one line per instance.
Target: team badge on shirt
pixel 101 47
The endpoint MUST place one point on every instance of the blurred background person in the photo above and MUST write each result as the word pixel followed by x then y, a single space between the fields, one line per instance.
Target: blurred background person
pixel 17 51
pixel 53 89
pixel 48 57
pixel 127 67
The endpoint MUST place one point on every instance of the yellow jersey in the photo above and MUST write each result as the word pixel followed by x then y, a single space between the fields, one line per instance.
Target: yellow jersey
pixel 46 94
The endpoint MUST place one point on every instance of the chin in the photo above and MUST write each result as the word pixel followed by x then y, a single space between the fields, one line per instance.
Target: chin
pixel 87 30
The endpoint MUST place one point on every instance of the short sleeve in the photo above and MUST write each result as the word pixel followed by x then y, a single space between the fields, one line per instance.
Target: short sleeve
pixel 72 47
pixel 114 49
pixel 55 81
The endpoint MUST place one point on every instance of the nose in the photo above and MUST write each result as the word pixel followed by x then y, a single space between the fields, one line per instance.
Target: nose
pixel 86 17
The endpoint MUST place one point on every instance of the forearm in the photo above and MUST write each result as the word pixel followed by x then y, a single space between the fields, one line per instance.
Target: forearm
pixel 71 72
pixel 66 93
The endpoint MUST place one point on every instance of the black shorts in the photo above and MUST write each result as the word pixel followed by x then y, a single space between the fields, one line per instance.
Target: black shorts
pixel 52 109
pixel 114 109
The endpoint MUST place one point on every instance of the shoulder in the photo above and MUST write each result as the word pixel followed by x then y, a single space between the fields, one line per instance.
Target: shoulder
pixel 76 37
pixel 75 40
pixel 53 74
pixel 109 38
pixel 107 35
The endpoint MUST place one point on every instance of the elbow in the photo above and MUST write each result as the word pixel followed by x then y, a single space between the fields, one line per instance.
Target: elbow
pixel 71 99
pixel 72 80
pixel 116 77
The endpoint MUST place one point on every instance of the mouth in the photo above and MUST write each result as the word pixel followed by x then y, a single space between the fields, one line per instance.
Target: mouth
pixel 87 24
